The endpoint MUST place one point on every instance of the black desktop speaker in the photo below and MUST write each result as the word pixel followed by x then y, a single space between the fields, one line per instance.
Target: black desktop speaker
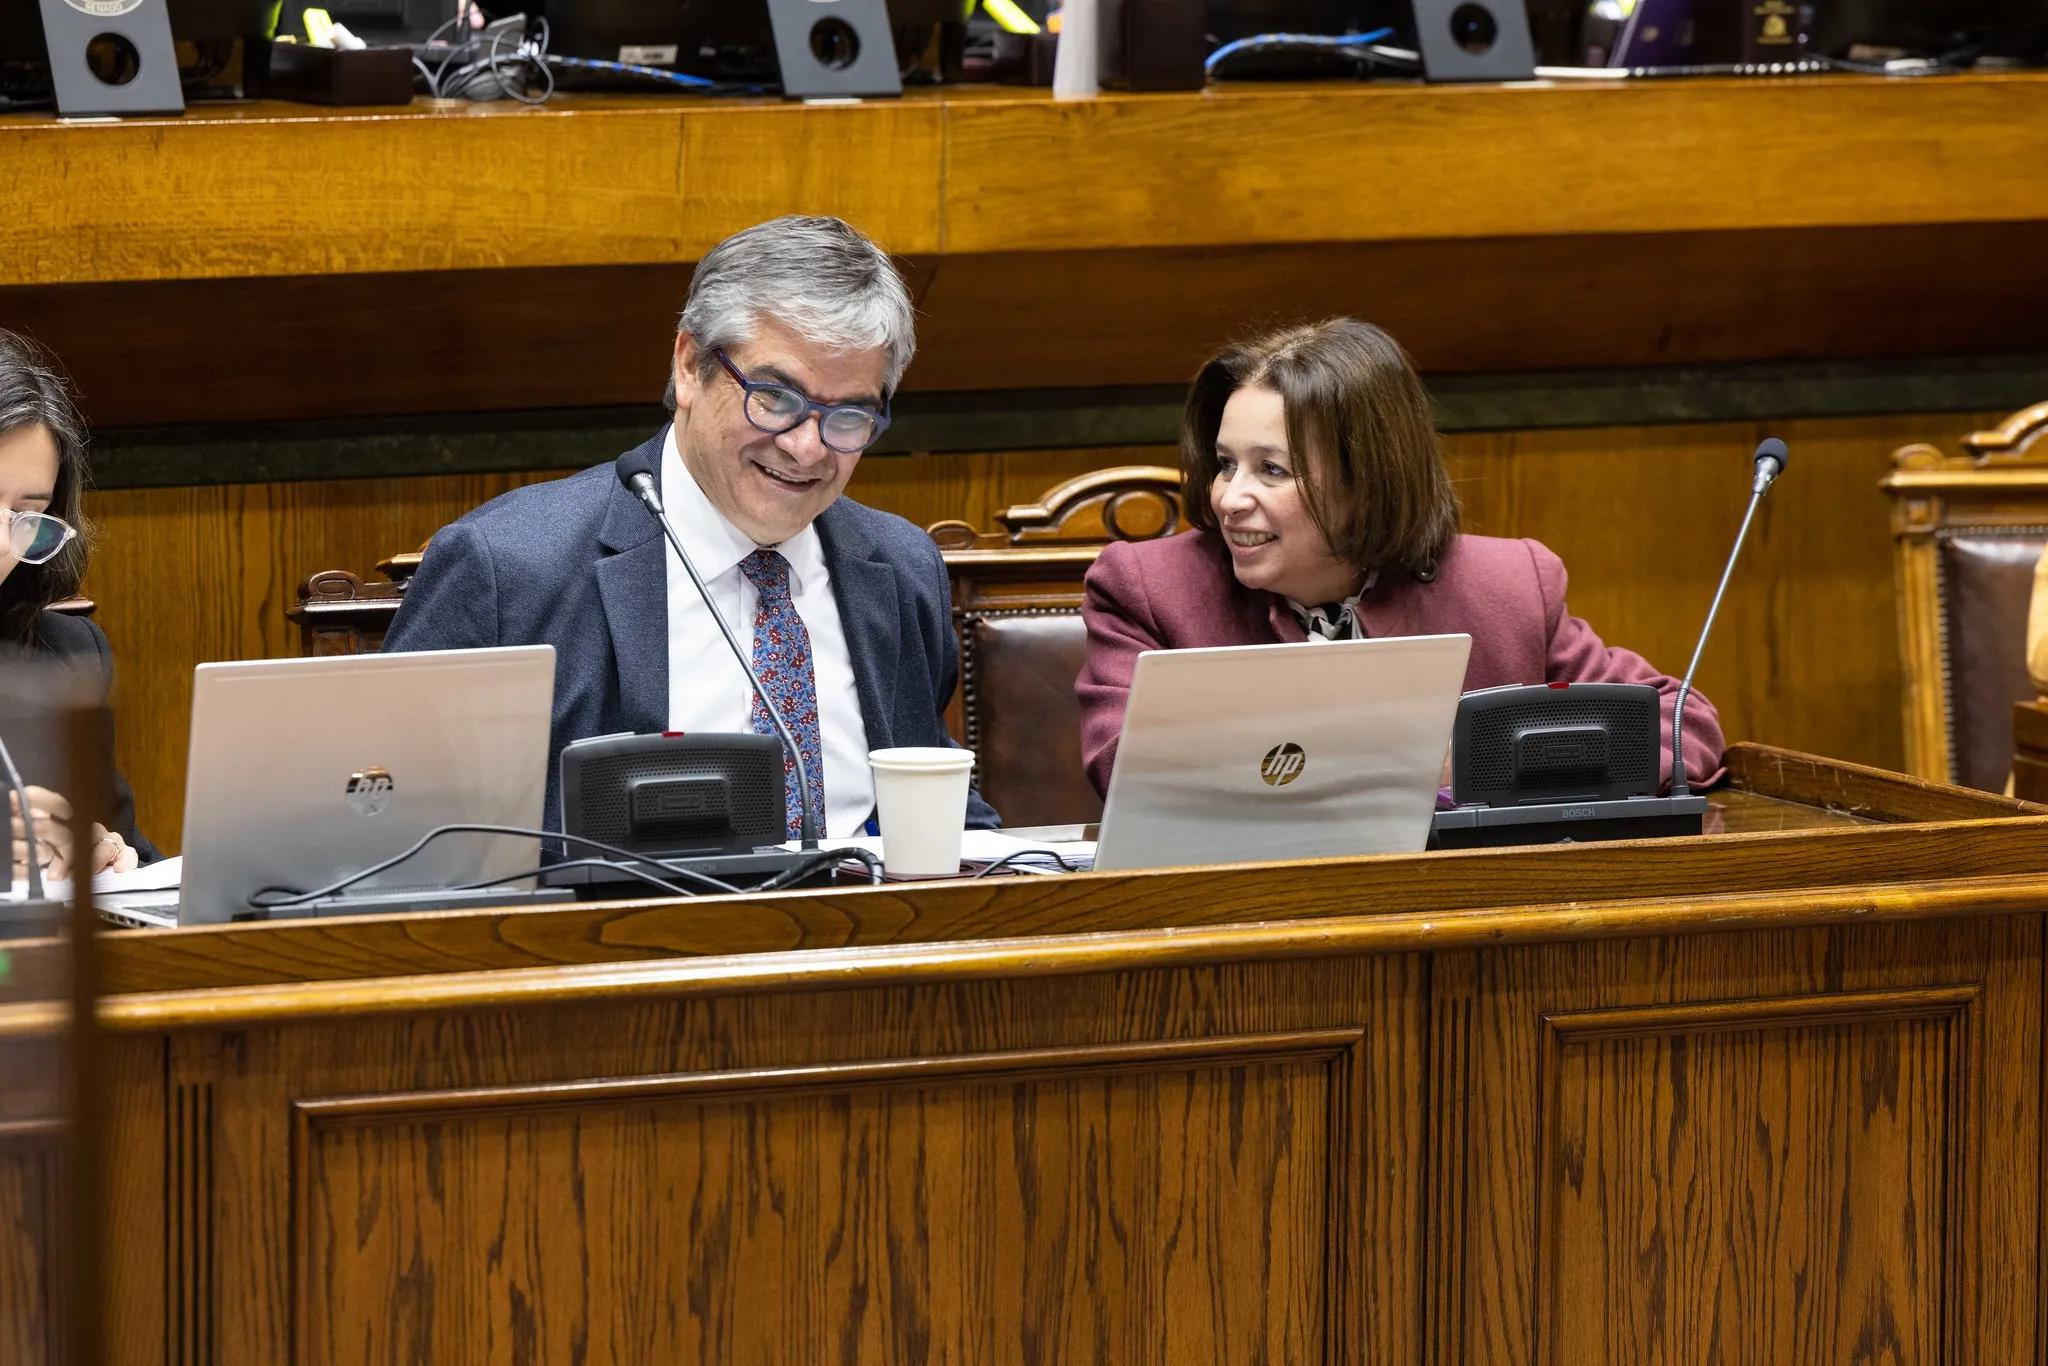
pixel 1474 40
pixel 1555 742
pixel 675 794
pixel 224 45
pixel 724 40
pixel 111 57
pixel 834 49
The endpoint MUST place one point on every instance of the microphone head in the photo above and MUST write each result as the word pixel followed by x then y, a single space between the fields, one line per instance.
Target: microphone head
pixel 1770 448
pixel 633 467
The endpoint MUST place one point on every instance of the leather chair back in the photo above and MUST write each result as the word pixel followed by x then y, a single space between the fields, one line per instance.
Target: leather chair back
pixel 1968 531
pixel 1017 605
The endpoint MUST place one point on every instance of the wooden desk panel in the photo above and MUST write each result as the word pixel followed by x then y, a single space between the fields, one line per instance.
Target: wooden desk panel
pixel 273 189
pixel 1802 1123
pixel 32 1229
pixel 1350 163
pixel 1955 848
pixel 1776 1143
pixel 824 1177
pixel 1578 1152
pixel 2030 759
pixel 285 190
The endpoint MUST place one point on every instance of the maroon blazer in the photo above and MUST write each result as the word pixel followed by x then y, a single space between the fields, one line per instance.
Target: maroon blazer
pixel 1179 593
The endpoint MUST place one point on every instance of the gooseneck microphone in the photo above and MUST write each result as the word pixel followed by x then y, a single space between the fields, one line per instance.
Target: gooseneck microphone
pixel 639 481
pixel 1771 459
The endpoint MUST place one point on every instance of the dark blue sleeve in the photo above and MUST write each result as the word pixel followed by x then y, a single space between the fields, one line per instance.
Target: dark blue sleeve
pixel 452 601
pixel 121 814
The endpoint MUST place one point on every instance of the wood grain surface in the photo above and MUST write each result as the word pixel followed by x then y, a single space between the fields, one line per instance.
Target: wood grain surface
pixel 2030 761
pixel 1409 901
pixel 1774 1147
pixel 1104 1184
pixel 1381 162
pixel 1757 1144
pixel 31 1230
pixel 240 350
pixel 831 1182
pixel 268 190
pixel 1801 1123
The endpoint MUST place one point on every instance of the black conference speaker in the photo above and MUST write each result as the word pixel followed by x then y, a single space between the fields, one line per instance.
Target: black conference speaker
pixel 1475 40
pixel 675 794
pixel 1560 761
pixel 834 49
pixel 1555 742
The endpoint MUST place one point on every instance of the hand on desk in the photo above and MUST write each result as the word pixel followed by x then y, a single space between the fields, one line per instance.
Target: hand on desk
pixel 109 853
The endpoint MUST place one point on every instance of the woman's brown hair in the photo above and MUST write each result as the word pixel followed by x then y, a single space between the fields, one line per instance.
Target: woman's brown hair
pixel 1359 428
pixel 33 393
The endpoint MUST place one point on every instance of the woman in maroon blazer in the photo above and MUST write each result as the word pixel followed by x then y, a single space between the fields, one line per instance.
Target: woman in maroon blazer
pixel 1321 506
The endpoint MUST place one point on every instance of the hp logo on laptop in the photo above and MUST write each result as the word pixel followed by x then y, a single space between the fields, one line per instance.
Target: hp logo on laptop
pixel 1282 764
pixel 369 792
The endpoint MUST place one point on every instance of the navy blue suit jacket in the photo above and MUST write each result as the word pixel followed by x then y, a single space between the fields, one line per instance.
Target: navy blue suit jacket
pixel 579 564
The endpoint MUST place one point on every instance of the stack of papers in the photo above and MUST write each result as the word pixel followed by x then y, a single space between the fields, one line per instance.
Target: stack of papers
pixel 161 876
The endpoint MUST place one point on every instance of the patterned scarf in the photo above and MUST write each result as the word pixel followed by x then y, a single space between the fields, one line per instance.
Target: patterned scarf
pixel 1333 620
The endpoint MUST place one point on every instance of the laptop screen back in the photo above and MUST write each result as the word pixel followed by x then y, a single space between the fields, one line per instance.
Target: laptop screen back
pixel 304 771
pixel 1266 752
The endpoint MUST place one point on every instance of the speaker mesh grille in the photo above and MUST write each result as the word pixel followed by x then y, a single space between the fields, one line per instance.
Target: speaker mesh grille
pixel 754 774
pixel 1632 739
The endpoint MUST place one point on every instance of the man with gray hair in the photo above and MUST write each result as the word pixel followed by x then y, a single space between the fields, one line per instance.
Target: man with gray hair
pixel 792 342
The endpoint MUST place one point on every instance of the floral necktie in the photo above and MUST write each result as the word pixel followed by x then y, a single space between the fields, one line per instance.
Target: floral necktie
pixel 782 661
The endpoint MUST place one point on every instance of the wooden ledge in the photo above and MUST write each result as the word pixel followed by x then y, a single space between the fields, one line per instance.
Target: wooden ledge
pixel 1045 956
pixel 280 190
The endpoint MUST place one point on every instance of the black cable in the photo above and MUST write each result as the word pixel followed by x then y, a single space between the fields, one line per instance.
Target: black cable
pixel 819 858
pixel 290 898
pixel 529 52
pixel 785 878
pixel 630 871
pixel 473 55
pixel 1018 855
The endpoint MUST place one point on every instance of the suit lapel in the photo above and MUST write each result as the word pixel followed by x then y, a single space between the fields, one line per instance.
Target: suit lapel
pixel 864 586
pixel 632 583
pixel 1392 609
pixel 1280 617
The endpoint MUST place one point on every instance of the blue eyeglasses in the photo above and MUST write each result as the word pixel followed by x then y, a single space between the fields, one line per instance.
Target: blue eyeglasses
pixel 36 537
pixel 848 428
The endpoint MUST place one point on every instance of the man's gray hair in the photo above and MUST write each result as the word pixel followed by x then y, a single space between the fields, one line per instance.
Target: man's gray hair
pixel 816 276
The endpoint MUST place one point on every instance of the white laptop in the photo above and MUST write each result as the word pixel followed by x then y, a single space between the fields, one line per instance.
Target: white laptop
pixel 305 771
pixel 1261 752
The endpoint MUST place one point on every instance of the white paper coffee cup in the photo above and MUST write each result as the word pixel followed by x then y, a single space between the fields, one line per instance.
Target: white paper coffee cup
pixel 921 799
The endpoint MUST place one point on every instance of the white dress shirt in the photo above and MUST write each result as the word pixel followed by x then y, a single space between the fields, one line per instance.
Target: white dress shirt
pixel 707 691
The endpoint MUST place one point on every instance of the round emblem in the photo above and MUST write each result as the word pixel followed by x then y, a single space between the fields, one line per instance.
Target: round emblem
pixel 370 791
pixel 104 9
pixel 1282 764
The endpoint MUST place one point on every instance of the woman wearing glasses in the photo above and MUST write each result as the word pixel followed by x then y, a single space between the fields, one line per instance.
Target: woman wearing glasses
pixel 42 560
pixel 1323 509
